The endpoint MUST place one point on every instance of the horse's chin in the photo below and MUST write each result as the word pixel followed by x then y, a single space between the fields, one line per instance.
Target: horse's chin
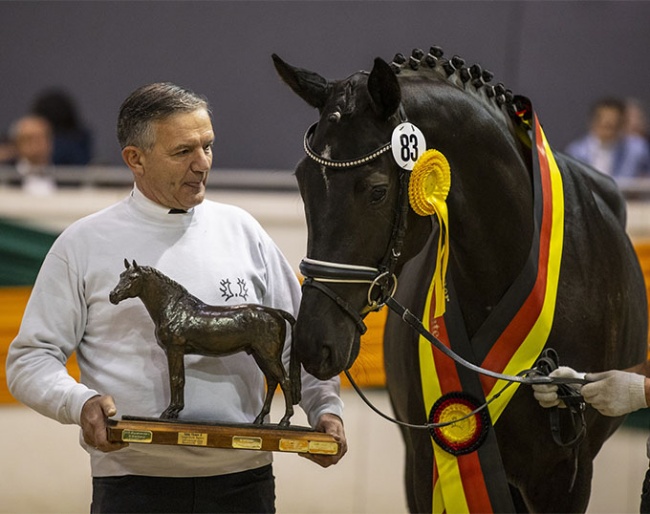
pixel 326 358
pixel 354 353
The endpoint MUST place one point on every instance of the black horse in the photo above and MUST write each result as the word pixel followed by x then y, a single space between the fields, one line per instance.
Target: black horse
pixel 362 231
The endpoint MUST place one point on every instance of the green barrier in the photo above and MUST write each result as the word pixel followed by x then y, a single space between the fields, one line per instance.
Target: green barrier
pixel 22 250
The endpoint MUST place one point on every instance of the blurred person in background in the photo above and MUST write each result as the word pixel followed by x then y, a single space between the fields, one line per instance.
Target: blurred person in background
pixel 7 150
pixel 607 147
pixel 72 139
pixel 636 120
pixel 33 142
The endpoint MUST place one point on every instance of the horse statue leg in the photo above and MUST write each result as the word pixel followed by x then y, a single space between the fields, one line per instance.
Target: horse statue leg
pixel 271 386
pixel 275 374
pixel 285 385
pixel 176 367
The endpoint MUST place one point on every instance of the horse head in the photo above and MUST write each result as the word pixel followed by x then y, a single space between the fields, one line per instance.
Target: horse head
pixel 129 285
pixel 356 194
pixel 351 190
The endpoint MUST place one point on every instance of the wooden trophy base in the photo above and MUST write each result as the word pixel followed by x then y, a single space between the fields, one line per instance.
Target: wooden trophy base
pixel 267 437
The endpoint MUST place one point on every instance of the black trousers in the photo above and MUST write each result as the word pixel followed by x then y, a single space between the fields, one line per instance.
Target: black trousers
pixel 251 491
pixel 645 494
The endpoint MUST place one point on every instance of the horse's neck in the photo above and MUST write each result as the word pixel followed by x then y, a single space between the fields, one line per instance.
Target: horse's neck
pixel 490 205
pixel 159 296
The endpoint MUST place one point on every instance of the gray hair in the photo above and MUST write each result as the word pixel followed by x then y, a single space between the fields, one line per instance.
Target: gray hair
pixel 151 103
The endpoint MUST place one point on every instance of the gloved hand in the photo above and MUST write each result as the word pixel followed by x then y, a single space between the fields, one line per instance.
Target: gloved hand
pixel 615 393
pixel 546 394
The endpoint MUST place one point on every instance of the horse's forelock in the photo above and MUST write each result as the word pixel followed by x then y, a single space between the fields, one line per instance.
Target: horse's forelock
pixel 344 98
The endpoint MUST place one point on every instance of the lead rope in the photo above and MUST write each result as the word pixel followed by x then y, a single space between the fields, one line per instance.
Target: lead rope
pixel 426 426
pixel 537 375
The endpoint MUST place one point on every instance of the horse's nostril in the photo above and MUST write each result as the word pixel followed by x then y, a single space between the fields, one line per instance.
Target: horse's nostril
pixel 325 354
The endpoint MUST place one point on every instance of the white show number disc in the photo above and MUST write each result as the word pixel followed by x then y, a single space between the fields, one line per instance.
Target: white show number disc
pixel 407 143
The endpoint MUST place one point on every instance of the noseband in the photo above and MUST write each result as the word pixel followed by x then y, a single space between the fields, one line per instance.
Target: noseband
pixel 382 280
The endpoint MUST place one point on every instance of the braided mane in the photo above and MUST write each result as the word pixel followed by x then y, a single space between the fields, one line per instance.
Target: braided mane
pixel 473 79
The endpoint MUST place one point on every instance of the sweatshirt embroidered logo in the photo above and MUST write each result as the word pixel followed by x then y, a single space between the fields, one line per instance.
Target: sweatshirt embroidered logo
pixel 230 290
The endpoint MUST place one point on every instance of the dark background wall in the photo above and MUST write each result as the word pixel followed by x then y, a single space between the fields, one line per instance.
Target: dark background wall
pixel 563 55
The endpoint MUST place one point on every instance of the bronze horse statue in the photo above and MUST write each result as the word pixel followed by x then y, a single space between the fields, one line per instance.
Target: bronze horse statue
pixel 186 325
pixel 505 228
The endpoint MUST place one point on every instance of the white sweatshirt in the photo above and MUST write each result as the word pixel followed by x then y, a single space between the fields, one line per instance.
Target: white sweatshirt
pixel 221 255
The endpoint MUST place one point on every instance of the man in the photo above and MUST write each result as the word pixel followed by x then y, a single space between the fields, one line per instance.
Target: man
pixel 612 393
pixel 607 147
pixel 222 256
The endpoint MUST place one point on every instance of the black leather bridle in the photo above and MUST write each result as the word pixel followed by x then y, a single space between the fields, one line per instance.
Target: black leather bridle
pixel 382 280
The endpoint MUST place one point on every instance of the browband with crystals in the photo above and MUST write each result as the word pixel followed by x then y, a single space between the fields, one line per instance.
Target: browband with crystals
pixel 352 163
pixel 340 164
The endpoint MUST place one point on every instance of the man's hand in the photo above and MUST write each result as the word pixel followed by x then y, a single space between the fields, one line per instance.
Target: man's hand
pixel 615 393
pixel 94 414
pixel 333 425
pixel 546 394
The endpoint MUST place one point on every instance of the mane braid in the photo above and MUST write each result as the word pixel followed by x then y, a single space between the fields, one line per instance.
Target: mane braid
pixel 455 72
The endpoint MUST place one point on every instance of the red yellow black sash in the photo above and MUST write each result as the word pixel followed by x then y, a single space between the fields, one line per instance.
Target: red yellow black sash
pixel 469 477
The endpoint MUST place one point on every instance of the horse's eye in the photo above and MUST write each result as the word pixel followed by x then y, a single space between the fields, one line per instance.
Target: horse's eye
pixel 378 194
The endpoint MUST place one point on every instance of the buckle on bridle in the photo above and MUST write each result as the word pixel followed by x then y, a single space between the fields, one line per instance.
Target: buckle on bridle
pixel 386 282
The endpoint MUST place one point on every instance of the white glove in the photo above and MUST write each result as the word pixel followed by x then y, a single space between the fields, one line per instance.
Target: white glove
pixel 546 394
pixel 615 393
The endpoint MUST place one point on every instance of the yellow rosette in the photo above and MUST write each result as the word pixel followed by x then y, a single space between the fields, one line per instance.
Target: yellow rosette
pixel 428 189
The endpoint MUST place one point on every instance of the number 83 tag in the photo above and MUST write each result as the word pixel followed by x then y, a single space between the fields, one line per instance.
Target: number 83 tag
pixel 407 143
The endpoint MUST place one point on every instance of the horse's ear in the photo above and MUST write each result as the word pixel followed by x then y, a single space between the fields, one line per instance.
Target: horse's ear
pixel 126 263
pixel 135 264
pixel 309 86
pixel 384 89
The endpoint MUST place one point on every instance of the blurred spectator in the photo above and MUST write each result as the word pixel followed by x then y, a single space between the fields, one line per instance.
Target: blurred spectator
pixel 72 140
pixel 7 150
pixel 607 147
pixel 32 138
pixel 636 120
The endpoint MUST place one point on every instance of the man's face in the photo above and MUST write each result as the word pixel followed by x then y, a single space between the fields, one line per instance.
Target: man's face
pixel 33 140
pixel 174 172
pixel 607 124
